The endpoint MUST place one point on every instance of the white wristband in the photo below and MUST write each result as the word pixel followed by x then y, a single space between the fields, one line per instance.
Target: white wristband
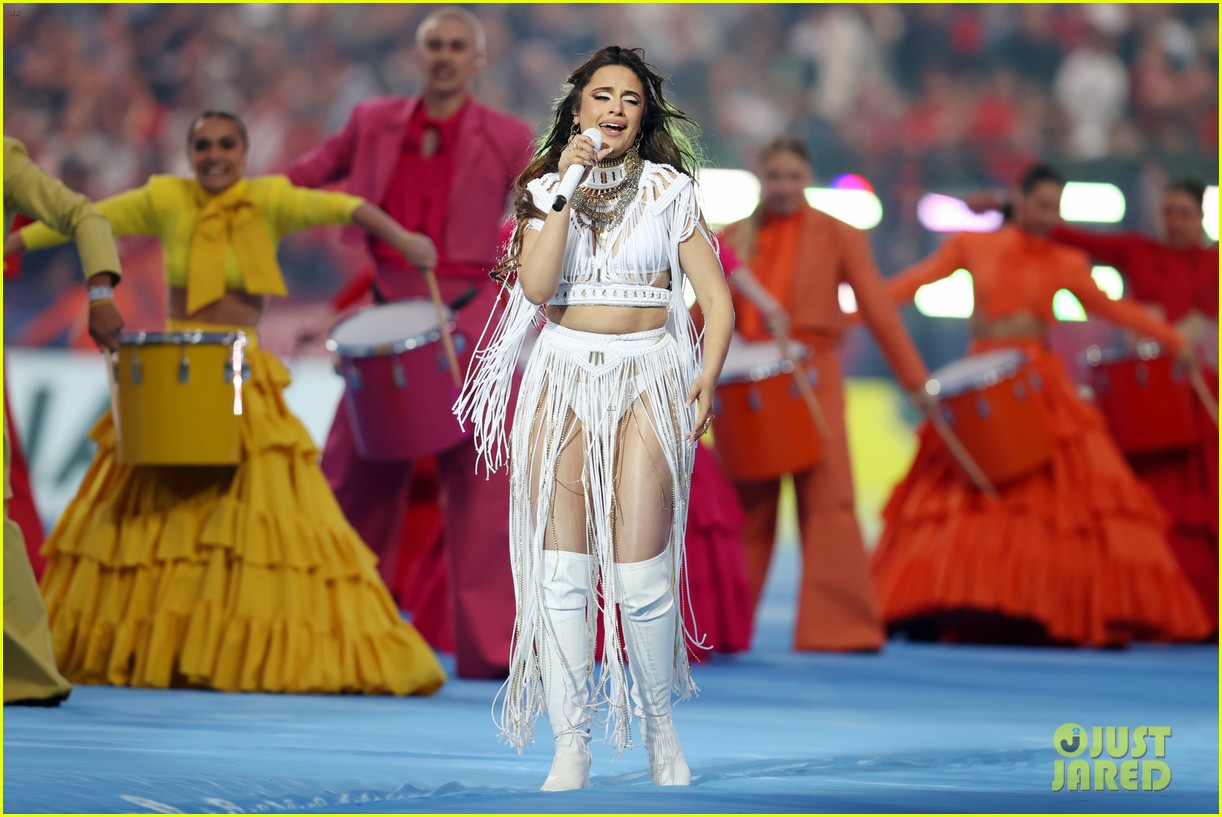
pixel 101 293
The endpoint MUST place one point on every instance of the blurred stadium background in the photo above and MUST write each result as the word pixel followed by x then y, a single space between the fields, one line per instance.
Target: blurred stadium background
pixel 904 106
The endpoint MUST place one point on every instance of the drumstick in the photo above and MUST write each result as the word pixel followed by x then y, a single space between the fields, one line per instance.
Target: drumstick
pixel 112 365
pixel 447 341
pixel 960 454
pixel 808 394
pixel 1203 392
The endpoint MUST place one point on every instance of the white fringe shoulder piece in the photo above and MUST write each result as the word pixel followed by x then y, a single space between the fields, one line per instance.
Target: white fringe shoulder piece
pixel 616 269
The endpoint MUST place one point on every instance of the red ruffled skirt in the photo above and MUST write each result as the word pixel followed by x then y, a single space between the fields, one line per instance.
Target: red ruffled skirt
pixel 21 508
pixel 721 611
pixel 1186 484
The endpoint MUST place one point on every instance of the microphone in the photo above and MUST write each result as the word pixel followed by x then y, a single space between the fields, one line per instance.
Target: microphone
pixel 575 173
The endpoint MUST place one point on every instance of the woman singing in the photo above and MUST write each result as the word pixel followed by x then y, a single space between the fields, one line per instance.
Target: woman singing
pixel 613 400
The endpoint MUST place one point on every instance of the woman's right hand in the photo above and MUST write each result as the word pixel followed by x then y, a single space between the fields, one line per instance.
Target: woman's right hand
pixel 579 151
pixel 105 325
pixel 419 250
pixel 778 322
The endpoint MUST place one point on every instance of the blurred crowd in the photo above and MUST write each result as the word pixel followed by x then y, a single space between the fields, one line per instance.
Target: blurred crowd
pixel 913 97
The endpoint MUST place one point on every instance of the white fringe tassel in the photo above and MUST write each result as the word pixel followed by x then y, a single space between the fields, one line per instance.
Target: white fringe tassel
pixel 597 377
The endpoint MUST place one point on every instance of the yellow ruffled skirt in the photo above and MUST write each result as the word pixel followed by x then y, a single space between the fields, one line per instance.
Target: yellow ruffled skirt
pixel 244 578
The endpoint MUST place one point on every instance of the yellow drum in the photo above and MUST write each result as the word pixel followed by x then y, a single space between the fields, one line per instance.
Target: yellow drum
pixel 178 397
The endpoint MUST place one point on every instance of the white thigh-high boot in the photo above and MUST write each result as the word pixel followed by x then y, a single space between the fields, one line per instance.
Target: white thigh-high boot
pixel 564 661
pixel 647 605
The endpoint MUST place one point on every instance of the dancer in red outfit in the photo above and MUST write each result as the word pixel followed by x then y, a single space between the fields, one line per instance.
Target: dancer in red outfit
pixel 1176 277
pixel 22 509
pixel 1074 553
pixel 442 164
pixel 21 505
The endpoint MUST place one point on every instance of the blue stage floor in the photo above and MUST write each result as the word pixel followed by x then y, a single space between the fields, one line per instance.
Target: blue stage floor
pixel 918 728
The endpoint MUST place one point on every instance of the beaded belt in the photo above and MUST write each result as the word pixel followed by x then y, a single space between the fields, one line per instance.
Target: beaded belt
pixel 610 295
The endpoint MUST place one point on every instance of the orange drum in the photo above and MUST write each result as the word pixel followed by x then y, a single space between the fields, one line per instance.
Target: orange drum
pixel 762 428
pixel 1147 404
pixel 989 402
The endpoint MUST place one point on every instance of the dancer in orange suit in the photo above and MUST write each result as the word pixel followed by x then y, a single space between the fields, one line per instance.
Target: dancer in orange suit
pixel 801 256
pixel 1076 553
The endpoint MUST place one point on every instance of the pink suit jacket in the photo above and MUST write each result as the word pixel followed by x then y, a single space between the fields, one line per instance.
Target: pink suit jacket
pixel 493 148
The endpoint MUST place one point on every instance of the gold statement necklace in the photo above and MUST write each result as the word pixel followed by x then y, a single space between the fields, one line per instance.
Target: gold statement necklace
pixel 610 189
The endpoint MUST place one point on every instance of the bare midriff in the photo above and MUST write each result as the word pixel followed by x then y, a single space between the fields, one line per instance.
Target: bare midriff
pixel 235 307
pixel 1016 326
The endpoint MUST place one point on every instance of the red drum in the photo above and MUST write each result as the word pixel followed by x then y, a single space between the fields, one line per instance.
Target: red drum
pixel 399 388
pixel 762 427
pixel 989 402
pixel 1149 407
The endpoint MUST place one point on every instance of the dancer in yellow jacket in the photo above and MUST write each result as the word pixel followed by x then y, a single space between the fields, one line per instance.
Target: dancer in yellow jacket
pixel 30 674
pixel 242 578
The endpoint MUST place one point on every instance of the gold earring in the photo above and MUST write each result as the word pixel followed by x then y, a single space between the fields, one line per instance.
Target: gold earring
pixel 573 132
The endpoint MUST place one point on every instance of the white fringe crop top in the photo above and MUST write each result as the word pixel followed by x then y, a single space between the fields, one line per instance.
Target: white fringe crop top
pixel 620 268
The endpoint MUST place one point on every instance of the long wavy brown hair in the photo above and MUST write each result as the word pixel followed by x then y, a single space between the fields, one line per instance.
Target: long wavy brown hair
pixel 668 135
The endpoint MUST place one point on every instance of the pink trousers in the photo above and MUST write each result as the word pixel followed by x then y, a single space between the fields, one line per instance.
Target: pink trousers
pixel 475 515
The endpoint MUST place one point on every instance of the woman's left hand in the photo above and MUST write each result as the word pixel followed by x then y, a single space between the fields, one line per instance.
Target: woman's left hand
pixel 702 395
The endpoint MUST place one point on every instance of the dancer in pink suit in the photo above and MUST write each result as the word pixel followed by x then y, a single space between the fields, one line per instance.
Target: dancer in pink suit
pixel 442 164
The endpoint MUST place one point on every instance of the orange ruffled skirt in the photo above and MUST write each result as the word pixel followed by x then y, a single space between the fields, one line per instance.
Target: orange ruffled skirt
pixel 243 578
pixel 1076 553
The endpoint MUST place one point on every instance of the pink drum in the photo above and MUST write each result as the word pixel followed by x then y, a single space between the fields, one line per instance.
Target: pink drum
pixel 399 388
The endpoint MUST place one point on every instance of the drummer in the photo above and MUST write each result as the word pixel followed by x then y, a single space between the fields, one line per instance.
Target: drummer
pixel 1176 276
pixel 1075 553
pixel 800 256
pixel 444 163
pixel 235 579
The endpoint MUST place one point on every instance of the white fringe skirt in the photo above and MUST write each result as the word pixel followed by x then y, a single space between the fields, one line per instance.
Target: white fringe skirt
pixel 581 388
